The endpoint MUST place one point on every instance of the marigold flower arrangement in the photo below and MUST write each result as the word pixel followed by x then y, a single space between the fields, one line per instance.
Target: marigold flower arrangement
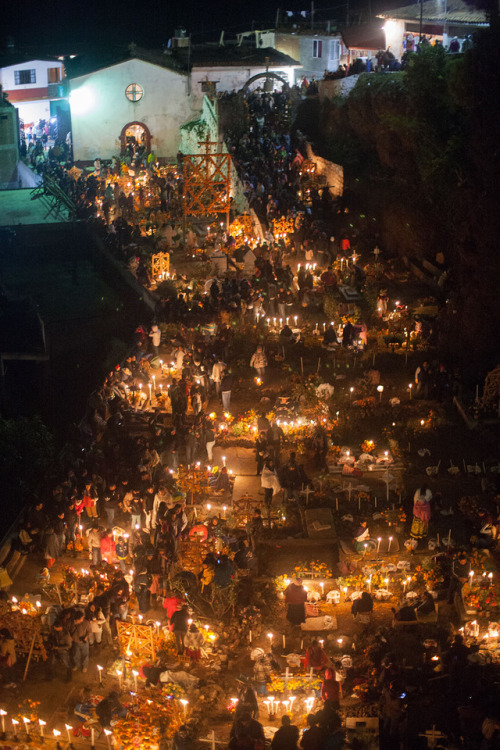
pixel 313 569
pixel 29 709
pixel 367 446
pixel 394 516
pixel 296 683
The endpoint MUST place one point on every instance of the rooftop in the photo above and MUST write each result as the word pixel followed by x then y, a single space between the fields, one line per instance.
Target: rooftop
pixel 180 59
pixel 436 11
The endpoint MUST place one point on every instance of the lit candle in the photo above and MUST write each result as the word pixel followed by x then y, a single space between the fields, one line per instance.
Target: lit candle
pixel 99 670
pixel 284 641
pixel 57 733
pixel 184 705
pixel 3 714
pixel 42 725
pixel 136 675
pixel 15 723
pixel 390 542
pixel 68 727
pixel 26 722
pixel 378 543
pixel 249 636
pixel 120 674
pixel 107 732
pixel 270 636
pixel 224 460
pixel 92 736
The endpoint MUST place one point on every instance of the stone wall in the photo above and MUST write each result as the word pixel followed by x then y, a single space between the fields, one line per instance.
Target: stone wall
pixel 340 87
pixel 333 173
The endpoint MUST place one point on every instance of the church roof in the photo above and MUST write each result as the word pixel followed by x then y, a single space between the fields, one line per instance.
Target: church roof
pixel 436 11
pixel 179 59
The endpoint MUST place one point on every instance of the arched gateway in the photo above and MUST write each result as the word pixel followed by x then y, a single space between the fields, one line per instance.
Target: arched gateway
pixel 138 132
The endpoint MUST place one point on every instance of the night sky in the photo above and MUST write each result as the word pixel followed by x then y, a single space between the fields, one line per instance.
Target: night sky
pixel 62 27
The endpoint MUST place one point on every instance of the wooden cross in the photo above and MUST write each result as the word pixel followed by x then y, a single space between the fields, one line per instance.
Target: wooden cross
pixel 206 143
pixel 212 740
pixel 432 736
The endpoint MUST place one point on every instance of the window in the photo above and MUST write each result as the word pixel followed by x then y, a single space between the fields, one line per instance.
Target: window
pixel 317 47
pixel 53 75
pixel 134 92
pixel 24 76
pixel 334 50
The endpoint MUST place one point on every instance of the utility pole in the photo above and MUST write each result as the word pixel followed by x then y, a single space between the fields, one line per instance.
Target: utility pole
pixel 277 18
pixel 312 15
pixel 420 29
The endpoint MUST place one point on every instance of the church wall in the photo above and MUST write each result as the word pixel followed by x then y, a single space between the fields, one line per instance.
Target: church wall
pixel 100 108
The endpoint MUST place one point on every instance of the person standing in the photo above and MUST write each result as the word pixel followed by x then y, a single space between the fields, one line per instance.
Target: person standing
pixel 295 599
pixel 421 513
pixel 111 501
pixel 459 575
pixel 136 510
pixel 209 437
pixel 179 627
pixel 217 375
pixel 155 336
pixel 259 362
pixel 94 541
pixel 59 650
pixel 90 498
pixel 79 632
pixel 269 482
pixel 275 437
pixel 225 387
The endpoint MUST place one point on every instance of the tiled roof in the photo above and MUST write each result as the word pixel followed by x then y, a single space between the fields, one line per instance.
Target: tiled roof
pixel 438 11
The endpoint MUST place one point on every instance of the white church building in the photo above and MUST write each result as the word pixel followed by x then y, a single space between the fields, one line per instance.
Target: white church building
pixel 150 95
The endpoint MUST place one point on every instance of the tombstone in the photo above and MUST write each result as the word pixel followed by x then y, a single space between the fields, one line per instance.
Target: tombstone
pixel 218 263
pixel 249 262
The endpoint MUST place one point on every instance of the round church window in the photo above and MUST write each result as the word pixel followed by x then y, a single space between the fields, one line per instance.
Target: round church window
pixel 134 92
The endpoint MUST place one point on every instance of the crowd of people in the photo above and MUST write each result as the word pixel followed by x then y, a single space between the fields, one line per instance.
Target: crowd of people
pixel 119 485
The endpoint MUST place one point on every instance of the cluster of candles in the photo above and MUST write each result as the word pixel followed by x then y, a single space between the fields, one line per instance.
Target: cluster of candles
pixel 277 323
pixel 272 705
pixel 56 733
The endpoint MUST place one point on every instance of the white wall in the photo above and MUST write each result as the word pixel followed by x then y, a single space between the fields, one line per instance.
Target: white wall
pixel 316 66
pixel 7 78
pixel 233 78
pixel 394 31
pixel 33 111
pixel 100 109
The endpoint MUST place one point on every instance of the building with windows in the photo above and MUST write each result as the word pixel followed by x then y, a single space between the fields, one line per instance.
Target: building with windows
pixel 316 51
pixel 34 86
pixel 437 20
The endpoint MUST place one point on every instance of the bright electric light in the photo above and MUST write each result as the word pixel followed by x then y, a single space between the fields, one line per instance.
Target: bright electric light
pixel 82 100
